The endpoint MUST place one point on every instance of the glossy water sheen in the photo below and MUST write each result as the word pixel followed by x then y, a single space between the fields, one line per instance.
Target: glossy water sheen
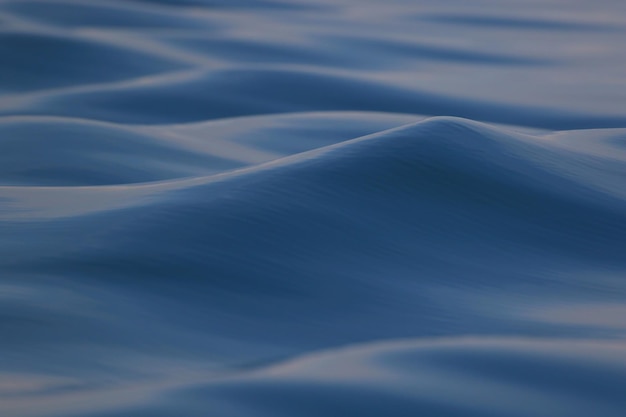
pixel 312 208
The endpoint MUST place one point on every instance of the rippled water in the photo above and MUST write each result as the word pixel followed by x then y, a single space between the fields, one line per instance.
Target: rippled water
pixel 312 208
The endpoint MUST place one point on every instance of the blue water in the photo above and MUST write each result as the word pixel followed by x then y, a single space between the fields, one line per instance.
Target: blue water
pixel 312 208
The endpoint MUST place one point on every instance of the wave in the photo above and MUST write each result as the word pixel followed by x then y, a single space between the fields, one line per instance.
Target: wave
pixel 456 377
pixel 382 220
pixel 448 377
pixel 235 92
pixel 75 152
pixel 26 55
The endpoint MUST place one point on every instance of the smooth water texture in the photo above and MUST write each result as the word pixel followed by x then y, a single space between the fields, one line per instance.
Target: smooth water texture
pixel 312 208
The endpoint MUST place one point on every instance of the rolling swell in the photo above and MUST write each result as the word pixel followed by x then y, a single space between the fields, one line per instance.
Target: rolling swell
pixel 31 53
pixel 57 152
pixel 235 93
pixel 441 204
pixel 409 376
pixel 246 209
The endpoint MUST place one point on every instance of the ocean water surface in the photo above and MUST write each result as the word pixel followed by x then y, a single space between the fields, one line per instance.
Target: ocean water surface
pixel 312 208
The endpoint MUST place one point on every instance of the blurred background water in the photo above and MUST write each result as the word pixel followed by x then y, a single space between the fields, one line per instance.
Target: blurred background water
pixel 254 208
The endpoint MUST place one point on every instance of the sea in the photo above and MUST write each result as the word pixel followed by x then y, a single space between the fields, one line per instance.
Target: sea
pixel 312 208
